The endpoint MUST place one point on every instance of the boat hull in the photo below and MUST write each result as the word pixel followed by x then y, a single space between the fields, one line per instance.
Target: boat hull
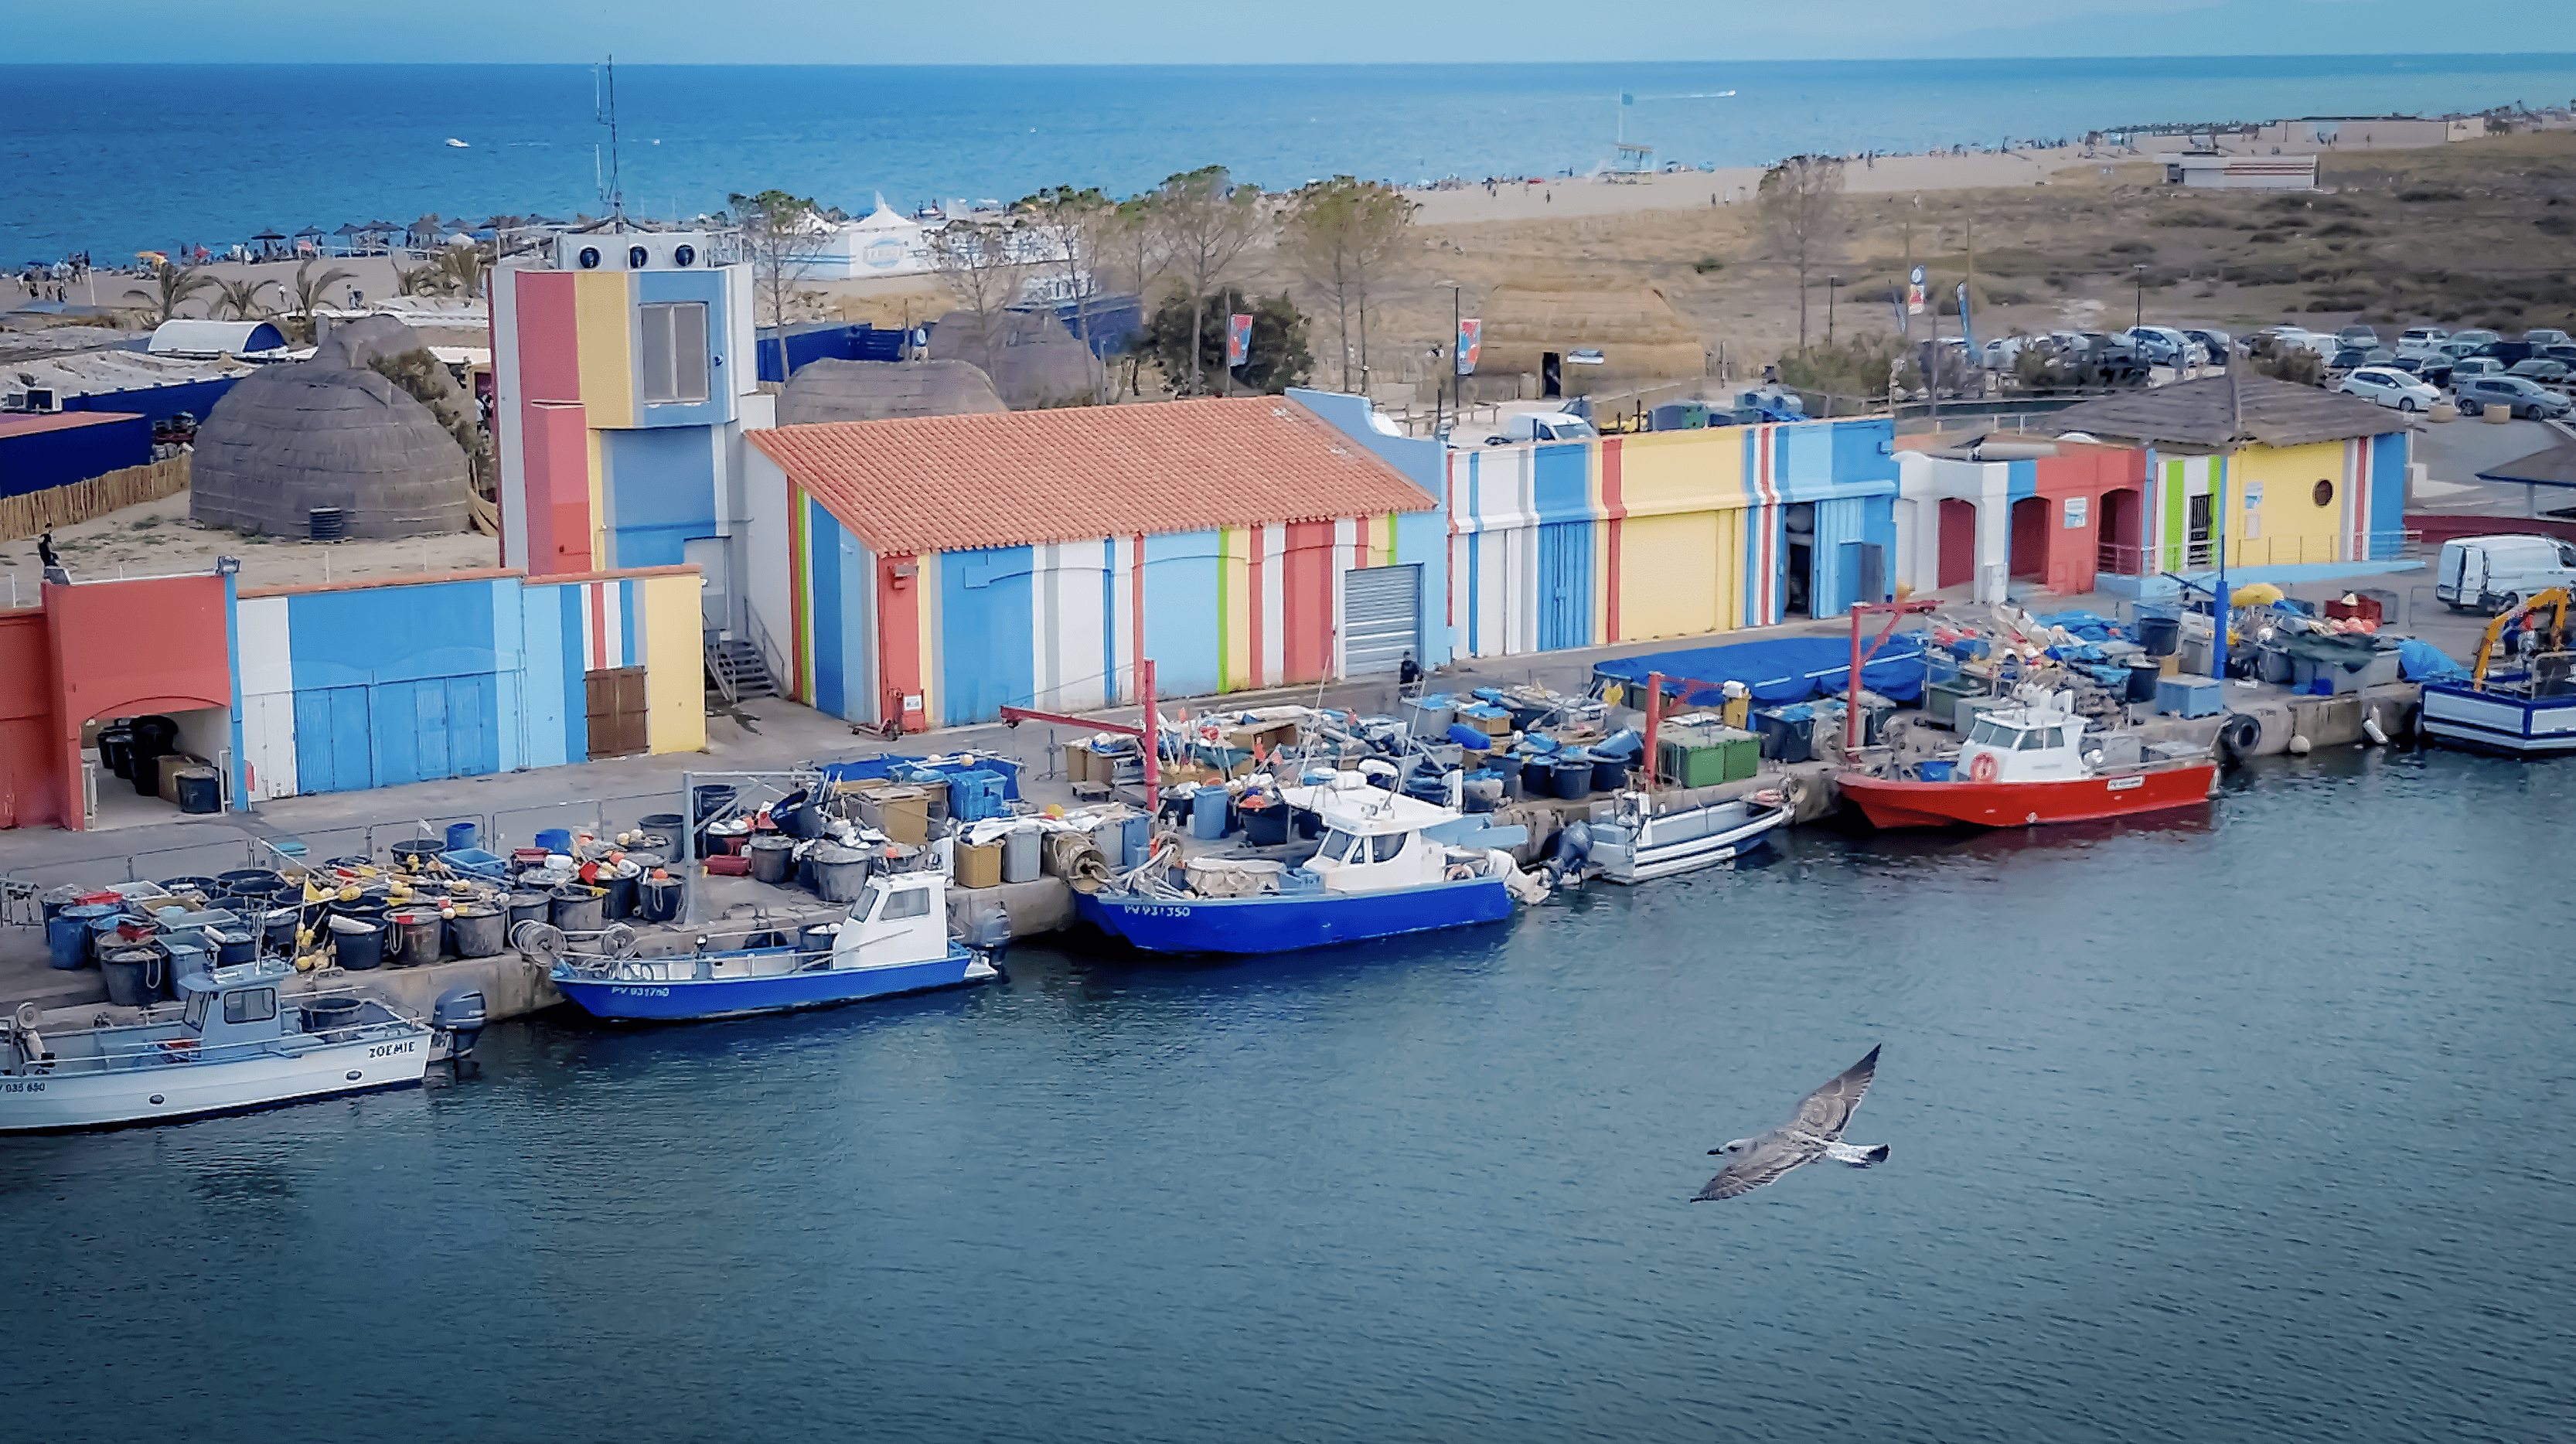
pixel 2499 722
pixel 1891 804
pixel 163 1089
pixel 689 1000
pixel 1657 853
pixel 1290 922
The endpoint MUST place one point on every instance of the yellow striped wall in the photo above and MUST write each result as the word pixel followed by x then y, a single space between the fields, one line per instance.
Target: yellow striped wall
pixel 675 713
pixel 604 320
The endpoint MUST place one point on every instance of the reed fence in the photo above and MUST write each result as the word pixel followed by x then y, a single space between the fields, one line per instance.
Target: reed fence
pixel 38 512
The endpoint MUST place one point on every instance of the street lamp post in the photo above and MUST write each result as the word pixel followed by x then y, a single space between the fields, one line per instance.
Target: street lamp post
pixel 1833 287
pixel 2140 318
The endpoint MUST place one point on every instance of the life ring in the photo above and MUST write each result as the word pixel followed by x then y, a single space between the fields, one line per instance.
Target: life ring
pixel 1983 768
pixel 2239 735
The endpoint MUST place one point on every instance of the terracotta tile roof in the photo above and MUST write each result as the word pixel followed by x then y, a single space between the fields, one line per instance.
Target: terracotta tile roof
pixel 2219 413
pixel 944 483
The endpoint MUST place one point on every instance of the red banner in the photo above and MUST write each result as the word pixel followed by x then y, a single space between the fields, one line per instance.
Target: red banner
pixel 1238 339
pixel 1471 339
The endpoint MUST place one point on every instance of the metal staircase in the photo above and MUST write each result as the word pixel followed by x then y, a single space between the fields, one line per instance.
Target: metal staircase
pixel 738 671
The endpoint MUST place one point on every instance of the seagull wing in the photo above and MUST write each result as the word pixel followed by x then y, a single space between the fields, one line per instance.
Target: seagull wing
pixel 1762 1161
pixel 1828 1110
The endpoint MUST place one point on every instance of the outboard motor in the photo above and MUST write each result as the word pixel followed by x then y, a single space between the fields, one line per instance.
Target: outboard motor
pixel 990 933
pixel 1572 850
pixel 459 1013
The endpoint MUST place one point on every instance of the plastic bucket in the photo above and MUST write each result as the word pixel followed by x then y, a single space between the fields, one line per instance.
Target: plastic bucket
pixel 1609 774
pixel 840 873
pixel 278 927
pixel 412 852
pixel 1208 808
pixel 1136 837
pixel 257 882
pixel 424 937
pixel 658 899
pixel 555 839
pixel 67 933
pixel 232 949
pixel 1934 769
pixel 2161 636
pixel 772 858
pixel 706 803
pixel 102 931
pixel 2142 681
pixel 796 817
pixel 1570 779
pixel 322 1015
pixel 528 907
pixel 1266 826
pixel 461 836
pixel 478 932
pixel 620 896
pixel 579 909
pixel 201 886
pixel 185 959
pixel 1020 856
pixel 134 974
pixel 669 824
pixel 818 937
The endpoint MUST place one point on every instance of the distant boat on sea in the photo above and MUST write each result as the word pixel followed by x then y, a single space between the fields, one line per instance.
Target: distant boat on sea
pixel 460 145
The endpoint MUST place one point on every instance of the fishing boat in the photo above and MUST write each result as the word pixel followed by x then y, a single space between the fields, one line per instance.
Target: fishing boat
pixel 1389 865
pixel 2524 711
pixel 238 1043
pixel 894 941
pixel 1647 838
pixel 2035 764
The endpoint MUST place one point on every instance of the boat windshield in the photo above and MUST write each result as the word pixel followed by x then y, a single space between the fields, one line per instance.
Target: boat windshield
pixel 2038 739
pixel 1990 733
pixel 866 904
pixel 196 1016
pixel 1337 846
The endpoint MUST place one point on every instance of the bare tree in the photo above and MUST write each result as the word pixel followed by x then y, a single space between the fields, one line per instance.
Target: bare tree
pixel 1799 202
pixel 782 235
pixel 1207 222
pixel 1345 237
pixel 1074 230
pixel 985 264
pixel 1132 243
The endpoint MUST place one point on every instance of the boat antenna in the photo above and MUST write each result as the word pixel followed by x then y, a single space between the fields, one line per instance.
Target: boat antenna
pixel 603 85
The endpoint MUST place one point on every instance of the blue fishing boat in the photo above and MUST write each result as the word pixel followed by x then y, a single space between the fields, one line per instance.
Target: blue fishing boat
pixel 1389 865
pixel 2526 707
pixel 894 941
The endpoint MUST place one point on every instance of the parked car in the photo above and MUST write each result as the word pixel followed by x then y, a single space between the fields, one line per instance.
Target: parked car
pixel 2508 352
pixel 2352 356
pixel 2471 366
pixel 2541 338
pixel 2218 344
pixel 2390 387
pixel 2518 396
pixel 2363 336
pixel 2433 371
pixel 2161 346
pixel 2423 337
pixel 2565 352
pixel 1544 426
pixel 2474 338
pixel 2491 573
pixel 2541 369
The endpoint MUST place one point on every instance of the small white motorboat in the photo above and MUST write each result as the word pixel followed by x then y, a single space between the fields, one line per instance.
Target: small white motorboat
pixel 458 144
pixel 1642 841
pixel 239 1043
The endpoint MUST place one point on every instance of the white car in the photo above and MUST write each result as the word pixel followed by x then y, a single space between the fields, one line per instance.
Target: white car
pixel 2390 387
pixel 2421 340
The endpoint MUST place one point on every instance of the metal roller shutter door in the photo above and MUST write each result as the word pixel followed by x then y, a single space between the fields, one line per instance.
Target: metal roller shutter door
pixel 1381 618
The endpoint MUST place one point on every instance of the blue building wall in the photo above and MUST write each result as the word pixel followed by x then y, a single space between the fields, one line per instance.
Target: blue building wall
pixel 158 403
pixel 827 343
pixel 660 490
pixel 38 460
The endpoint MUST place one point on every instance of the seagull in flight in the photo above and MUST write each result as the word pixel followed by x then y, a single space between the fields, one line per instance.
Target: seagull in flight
pixel 1814 1131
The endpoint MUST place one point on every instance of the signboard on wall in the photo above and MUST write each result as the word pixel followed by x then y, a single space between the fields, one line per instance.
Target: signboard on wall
pixel 2078 508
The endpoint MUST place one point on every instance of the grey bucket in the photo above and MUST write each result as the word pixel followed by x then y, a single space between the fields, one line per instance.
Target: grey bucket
pixel 358 943
pixel 1020 856
pixel 134 974
pixel 772 857
pixel 478 932
pixel 529 907
pixel 840 873
pixel 580 909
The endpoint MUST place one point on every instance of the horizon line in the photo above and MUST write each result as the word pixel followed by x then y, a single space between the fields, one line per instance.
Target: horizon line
pixel 2535 55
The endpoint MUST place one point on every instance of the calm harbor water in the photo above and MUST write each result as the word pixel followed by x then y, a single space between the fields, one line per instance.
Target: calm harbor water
pixel 2241 1127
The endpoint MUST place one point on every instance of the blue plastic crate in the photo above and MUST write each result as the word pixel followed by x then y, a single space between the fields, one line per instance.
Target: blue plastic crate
pixel 2188 696
pixel 478 862
pixel 974 796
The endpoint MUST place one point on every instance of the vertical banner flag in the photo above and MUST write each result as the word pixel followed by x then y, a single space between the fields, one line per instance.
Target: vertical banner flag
pixel 1238 339
pixel 1914 292
pixel 1471 339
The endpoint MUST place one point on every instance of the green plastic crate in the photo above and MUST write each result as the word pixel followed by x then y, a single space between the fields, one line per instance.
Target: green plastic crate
pixel 1707 756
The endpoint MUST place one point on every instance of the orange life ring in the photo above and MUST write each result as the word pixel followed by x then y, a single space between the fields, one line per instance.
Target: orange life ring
pixel 1983 769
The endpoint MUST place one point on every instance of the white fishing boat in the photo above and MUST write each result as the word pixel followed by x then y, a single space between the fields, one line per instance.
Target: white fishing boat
pixel 239 1043
pixel 1647 838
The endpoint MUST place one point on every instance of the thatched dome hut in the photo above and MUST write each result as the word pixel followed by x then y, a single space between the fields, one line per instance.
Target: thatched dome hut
pixel 322 433
pixel 836 390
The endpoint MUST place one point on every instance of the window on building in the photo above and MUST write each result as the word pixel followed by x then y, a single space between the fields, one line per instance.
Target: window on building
pixel 675 352
pixel 252 1005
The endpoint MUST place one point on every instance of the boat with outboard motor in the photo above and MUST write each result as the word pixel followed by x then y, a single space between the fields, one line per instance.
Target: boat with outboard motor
pixel 2525 708
pixel 2033 764
pixel 1388 865
pixel 240 1042
pixel 1645 837
pixel 894 941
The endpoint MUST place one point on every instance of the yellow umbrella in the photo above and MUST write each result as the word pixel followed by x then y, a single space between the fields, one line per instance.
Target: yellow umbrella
pixel 2255 594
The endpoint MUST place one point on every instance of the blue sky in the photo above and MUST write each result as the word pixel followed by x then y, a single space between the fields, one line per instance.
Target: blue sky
pixel 1215 31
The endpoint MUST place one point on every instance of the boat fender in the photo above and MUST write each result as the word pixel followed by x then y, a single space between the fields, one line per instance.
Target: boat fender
pixel 1983 769
pixel 2239 735
pixel 2370 728
pixel 2299 746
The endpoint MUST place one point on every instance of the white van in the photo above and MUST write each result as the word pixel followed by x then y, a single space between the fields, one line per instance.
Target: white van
pixel 1546 426
pixel 2492 573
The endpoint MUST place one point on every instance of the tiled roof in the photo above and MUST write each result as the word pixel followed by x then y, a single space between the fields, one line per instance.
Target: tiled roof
pixel 945 483
pixel 2204 414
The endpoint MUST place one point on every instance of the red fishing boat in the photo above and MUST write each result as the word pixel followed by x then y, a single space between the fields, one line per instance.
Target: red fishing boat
pixel 2033 764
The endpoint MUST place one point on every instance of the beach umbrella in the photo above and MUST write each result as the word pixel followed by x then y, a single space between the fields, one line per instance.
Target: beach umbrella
pixel 351 229
pixel 268 236
pixel 312 231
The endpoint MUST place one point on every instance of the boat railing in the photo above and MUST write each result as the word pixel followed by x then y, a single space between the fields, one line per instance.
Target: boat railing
pixel 190 1050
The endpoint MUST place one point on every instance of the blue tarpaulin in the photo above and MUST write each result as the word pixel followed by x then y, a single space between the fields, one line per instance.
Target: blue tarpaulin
pixel 1788 669
pixel 859 769
pixel 2424 662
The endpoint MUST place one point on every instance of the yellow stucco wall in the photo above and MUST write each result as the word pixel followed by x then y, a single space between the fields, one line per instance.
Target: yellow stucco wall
pixel 604 321
pixel 1669 569
pixel 2287 526
pixel 675 713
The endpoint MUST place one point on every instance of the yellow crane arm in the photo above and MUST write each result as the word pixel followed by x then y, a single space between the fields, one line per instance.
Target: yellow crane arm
pixel 2555 599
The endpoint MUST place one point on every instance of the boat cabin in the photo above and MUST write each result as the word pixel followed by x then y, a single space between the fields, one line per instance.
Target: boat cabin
pixel 240 1004
pixel 1373 838
pixel 899 917
pixel 2023 744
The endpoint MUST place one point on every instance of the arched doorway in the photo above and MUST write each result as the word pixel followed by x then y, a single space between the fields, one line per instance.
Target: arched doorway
pixel 2122 548
pixel 1958 543
pixel 2029 545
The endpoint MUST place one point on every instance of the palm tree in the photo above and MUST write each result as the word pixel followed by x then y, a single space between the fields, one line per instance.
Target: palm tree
pixel 464 266
pixel 173 285
pixel 306 296
pixel 241 299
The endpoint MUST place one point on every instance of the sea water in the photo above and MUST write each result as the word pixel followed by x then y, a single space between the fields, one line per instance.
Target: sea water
pixel 119 158
pixel 2247 1124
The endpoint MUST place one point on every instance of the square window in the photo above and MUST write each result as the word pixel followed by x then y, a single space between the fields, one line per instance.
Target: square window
pixel 674 352
pixel 251 1005
pixel 911 902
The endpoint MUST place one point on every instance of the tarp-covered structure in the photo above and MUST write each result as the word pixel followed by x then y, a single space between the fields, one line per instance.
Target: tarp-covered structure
pixel 834 390
pixel 330 432
pixel 1033 361
pixel 1783 670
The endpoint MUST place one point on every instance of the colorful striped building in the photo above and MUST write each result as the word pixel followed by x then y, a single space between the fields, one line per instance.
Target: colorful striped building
pixel 1675 534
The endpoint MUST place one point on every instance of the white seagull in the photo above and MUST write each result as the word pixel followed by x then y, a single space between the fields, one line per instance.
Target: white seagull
pixel 1814 1131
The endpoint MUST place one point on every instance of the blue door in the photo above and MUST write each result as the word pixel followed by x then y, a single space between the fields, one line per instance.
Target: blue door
pixel 331 747
pixel 1564 585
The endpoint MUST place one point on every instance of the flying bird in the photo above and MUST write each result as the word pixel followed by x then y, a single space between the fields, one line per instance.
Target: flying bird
pixel 1814 1131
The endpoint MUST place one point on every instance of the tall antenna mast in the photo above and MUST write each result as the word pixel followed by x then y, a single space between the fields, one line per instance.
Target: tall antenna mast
pixel 604 104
